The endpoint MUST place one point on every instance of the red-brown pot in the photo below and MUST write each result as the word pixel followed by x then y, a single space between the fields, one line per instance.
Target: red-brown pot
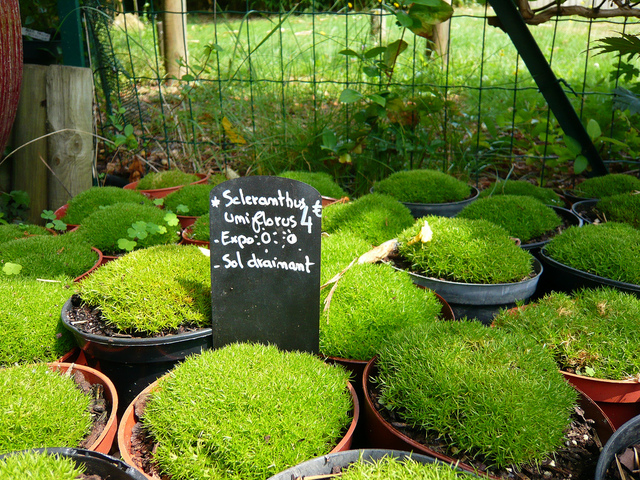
pixel 163 192
pixel 190 241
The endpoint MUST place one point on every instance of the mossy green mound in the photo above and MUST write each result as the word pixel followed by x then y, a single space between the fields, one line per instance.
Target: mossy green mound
pixel 423 186
pixel 623 208
pixel 607 185
pixel 338 250
pixel 194 197
pixel 48 256
pixel 490 394
pixel 610 250
pixel 40 408
pixel 39 466
pixel 13 231
pixel 376 218
pixel 87 202
pixel 522 188
pixel 154 290
pixel 368 305
pixel 323 182
pixel 466 251
pixel 30 326
pixel 523 217
pixel 201 230
pixel 246 412
pixel 105 227
pixel 166 179
pixel 592 333
pixel 388 468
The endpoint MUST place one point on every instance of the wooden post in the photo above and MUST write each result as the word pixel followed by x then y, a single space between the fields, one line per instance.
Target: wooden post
pixel 441 39
pixel 175 37
pixel 69 93
pixel 29 170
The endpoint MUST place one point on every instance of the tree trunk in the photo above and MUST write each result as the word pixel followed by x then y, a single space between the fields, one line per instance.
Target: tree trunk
pixel 175 37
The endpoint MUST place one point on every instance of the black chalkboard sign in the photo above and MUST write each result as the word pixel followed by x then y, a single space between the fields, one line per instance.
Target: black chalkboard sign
pixel 265 262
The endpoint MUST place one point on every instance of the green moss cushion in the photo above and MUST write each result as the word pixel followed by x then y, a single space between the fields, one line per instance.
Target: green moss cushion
pixel 194 197
pixel 165 179
pixel 40 466
pixel 610 250
pixel 523 217
pixel 323 182
pixel 423 186
pixel 522 187
pixel 593 332
pixel 463 250
pixel 624 208
pixel 369 303
pixel 607 185
pixel 338 251
pixel 30 325
pixel 87 202
pixel 376 218
pixel 105 227
pixel 201 230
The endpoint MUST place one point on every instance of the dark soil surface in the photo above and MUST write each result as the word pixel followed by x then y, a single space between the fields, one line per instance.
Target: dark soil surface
pixel 99 408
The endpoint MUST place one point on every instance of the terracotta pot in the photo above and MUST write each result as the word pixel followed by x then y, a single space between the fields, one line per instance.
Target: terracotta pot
pixel 104 442
pixel 98 263
pixel 189 241
pixel 382 434
pixel 163 192
pixel 186 220
pixel 10 66
pixel 130 420
pixel 60 213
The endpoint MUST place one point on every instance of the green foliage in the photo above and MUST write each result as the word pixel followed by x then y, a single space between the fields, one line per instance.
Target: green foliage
pixel 194 197
pixel 30 325
pixel 491 394
pixel 153 290
pixel 13 231
pixel 610 250
pixel 423 186
pixel 95 198
pixel 374 217
pixel 369 304
pixel 321 181
pixel 466 251
pixel 49 256
pixel 53 222
pixel 40 408
pixel 39 466
pixel 522 217
pixel 607 185
pixel 338 251
pixel 623 208
pixel 106 226
pixel 14 206
pixel 388 468
pixel 522 187
pixel 592 333
pixel 165 179
pixel 246 411
pixel 200 230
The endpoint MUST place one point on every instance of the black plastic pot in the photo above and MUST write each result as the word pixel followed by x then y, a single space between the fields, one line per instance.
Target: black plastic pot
pixel 105 466
pixel 626 436
pixel 327 464
pixel 569 218
pixel 583 209
pixel 451 209
pixel 481 301
pixel 563 278
pixel 133 363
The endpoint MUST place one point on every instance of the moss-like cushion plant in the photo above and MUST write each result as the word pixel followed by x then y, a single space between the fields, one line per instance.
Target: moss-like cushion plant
pixel 610 250
pixel 12 231
pixel 143 224
pixel 194 197
pixel 321 181
pixel 423 186
pixel 87 202
pixel 522 188
pixel 153 290
pixel 374 217
pixel 465 251
pixel 39 466
pixel 492 395
pixel 246 411
pixel 30 326
pixel 165 179
pixel 201 229
pixel 338 250
pixel 407 469
pixel 523 217
pixel 592 333
pixel 41 408
pixel 48 256
pixel 607 185
pixel 624 208
pixel 370 302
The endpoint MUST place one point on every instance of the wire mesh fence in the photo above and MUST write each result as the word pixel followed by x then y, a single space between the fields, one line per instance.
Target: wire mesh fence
pixel 349 92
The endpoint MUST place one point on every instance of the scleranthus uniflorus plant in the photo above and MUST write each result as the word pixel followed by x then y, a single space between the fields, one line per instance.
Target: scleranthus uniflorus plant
pixel 321 181
pixel 607 185
pixel 39 466
pixel 246 411
pixel 88 201
pixel 423 186
pixel 338 251
pixel 522 188
pixel 165 179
